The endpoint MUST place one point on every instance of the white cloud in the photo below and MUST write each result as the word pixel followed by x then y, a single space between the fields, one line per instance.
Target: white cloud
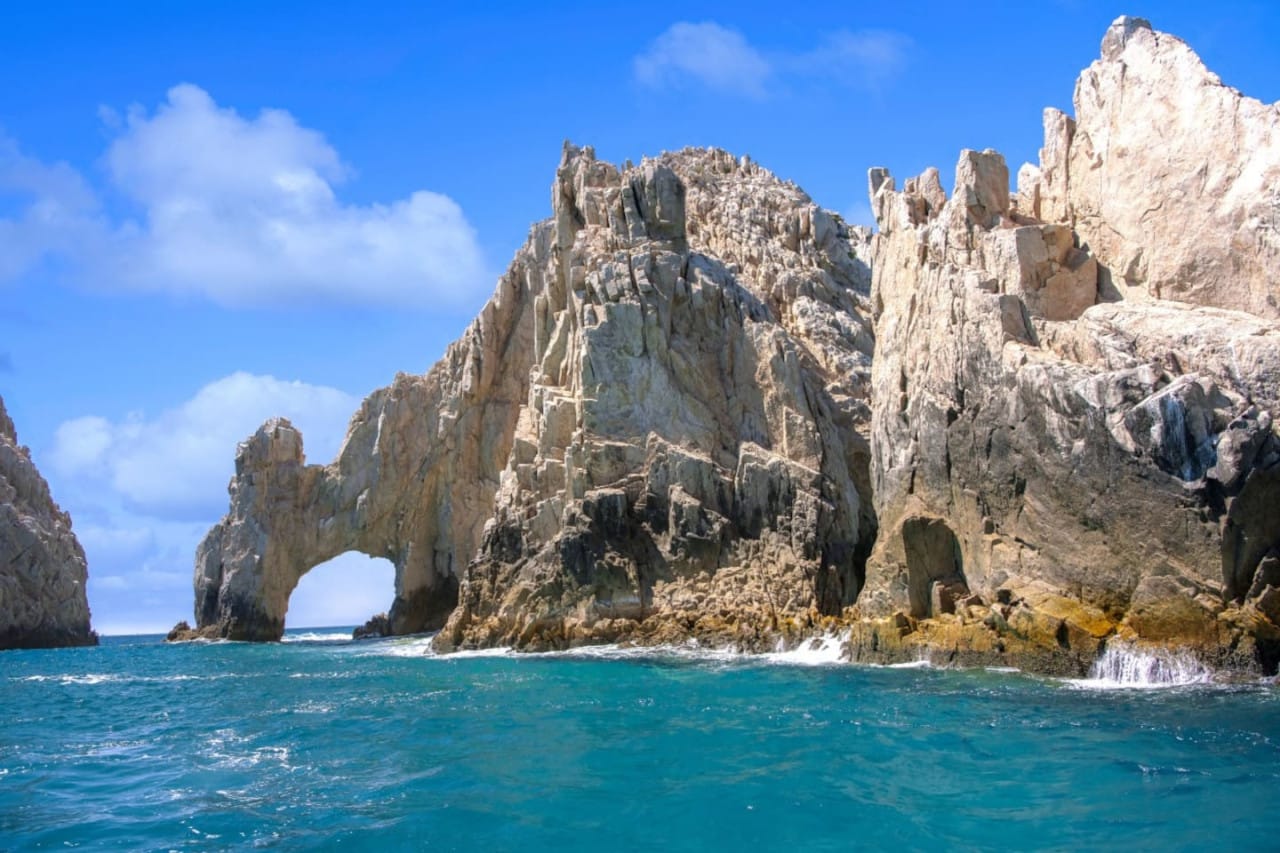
pixel 176 465
pixel 240 210
pixel 716 57
pixel 722 60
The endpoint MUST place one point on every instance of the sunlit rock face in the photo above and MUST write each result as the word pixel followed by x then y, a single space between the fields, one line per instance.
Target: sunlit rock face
pixel 1057 459
pixel 656 428
pixel 1171 178
pixel 42 566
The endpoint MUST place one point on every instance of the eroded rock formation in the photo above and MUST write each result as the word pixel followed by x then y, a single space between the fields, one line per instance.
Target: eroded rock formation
pixel 666 423
pixel 42 566
pixel 1051 468
pixel 656 427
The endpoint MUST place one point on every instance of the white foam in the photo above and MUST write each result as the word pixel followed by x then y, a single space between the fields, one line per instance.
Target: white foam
pixel 88 678
pixel 922 663
pixel 496 652
pixel 1124 666
pixel 816 651
pixel 409 647
pixel 313 637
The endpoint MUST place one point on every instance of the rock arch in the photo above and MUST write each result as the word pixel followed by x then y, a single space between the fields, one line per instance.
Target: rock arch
pixel 414 482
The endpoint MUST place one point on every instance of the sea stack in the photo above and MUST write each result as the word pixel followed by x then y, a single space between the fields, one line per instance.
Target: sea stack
pixel 42 566
pixel 1009 429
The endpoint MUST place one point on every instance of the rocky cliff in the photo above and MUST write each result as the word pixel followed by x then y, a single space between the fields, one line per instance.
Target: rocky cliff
pixel 656 428
pixel 42 566
pixel 1058 460
pixel 666 423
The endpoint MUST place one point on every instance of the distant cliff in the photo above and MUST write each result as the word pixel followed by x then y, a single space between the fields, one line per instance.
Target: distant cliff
pixel 42 566
pixel 668 424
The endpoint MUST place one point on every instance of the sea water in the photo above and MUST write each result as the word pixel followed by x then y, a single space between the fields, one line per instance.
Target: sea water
pixel 323 743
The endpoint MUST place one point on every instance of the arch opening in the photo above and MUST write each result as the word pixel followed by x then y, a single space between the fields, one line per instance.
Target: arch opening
pixel 342 592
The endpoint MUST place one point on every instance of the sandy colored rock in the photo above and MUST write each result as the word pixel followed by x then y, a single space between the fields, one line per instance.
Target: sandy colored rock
pixel 42 567
pixel 666 424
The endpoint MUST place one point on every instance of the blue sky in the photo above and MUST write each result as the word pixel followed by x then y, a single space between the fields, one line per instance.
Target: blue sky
pixel 214 214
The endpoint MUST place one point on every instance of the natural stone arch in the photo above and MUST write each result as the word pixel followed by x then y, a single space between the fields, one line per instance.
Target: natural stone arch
pixel 287 517
pixel 414 481
pixel 935 567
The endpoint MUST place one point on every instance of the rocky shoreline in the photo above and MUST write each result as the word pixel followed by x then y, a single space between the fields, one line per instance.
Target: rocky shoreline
pixel 1007 429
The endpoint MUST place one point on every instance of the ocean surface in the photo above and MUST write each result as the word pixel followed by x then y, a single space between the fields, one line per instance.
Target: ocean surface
pixel 320 743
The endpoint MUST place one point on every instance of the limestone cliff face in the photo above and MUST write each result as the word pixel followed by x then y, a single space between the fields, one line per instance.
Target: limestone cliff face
pixel 414 481
pixel 1051 468
pixel 656 428
pixel 42 566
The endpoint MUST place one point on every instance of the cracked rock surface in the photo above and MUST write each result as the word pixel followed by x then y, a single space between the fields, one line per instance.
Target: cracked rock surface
pixel 667 423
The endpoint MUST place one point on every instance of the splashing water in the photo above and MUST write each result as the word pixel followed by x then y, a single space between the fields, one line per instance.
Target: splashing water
pixel 1124 665
pixel 815 651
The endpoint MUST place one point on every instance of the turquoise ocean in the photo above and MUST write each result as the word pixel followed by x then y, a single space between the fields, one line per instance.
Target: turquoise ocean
pixel 319 743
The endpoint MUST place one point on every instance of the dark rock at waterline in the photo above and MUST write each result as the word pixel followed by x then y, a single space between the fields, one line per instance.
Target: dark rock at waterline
pixel 377 626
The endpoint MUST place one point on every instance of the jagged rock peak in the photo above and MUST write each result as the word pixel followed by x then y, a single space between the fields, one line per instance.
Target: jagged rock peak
pixel 1121 30
pixel 1171 178
pixel 655 427
pixel 42 566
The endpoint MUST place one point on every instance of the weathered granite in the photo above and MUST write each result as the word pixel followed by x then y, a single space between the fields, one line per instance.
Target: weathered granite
pixel 42 566
pixel 659 417
pixel 1051 470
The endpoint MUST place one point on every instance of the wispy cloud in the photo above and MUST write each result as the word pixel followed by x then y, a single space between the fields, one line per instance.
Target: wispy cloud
pixel 704 54
pixel 57 212
pixel 865 59
pixel 241 210
pixel 721 59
